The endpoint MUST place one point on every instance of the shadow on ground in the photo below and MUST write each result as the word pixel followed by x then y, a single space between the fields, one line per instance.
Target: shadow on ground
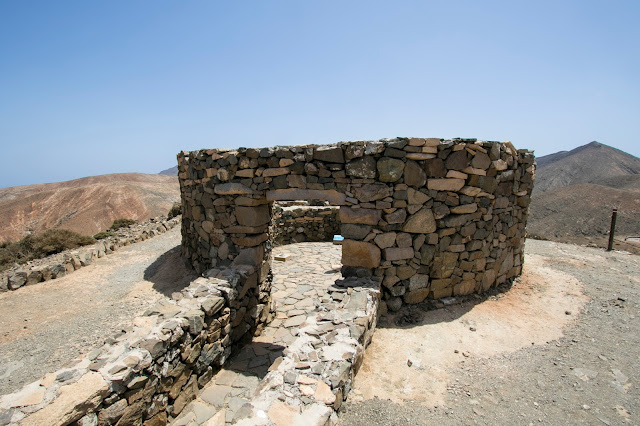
pixel 438 311
pixel 169 273
pixel 254 358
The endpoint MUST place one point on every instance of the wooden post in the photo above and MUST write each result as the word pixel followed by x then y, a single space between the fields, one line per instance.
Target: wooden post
pixel 612 230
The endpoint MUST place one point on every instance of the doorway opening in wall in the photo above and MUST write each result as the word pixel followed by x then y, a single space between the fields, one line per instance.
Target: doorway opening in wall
pixel 307 261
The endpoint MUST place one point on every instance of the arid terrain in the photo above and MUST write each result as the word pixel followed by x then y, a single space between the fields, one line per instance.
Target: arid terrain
pixel 44 326
pixel 591 163
pixel 575 192
pixel 558 347
pixel 87 206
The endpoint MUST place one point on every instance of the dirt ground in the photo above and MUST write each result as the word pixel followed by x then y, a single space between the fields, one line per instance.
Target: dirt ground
pixel 46 325
pixel 559 347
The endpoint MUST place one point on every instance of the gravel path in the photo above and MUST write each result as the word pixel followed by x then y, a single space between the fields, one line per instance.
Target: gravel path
pixel 45 326
pixel 589 373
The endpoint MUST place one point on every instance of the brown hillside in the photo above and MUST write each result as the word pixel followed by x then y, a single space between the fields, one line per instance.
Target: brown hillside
pixel 86 205
pixel 592 163
pixel 581 214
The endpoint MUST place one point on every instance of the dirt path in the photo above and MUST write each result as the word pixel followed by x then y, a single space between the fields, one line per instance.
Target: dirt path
pixel 44 326
pixel 560 347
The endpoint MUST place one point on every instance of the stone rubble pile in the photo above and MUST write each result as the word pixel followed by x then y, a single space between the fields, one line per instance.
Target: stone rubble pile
pixel 148 375
pixel 297 224
pixel 61 264
pixel 428 218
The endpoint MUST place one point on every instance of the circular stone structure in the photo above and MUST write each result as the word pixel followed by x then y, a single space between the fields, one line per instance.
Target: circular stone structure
pixel 425 217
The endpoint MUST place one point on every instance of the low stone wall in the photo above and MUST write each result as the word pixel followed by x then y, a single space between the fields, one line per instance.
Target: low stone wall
pixel 309 383
pixel 61 264
pixel 149 375
pixel 297 224
pixel 425 217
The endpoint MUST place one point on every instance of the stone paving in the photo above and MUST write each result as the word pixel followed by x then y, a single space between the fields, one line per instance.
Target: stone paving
pixel 301 284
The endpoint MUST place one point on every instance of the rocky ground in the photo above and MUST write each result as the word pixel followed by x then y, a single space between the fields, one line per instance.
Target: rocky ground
pixel 559 347
pixel 46 325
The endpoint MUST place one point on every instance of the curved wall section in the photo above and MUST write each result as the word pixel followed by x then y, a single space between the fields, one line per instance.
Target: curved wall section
pixel 425 217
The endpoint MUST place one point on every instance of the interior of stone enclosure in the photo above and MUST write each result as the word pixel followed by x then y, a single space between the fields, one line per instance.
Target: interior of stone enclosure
pixel 425 217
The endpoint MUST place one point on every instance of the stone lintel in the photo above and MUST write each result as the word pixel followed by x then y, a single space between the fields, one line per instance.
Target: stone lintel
pixel 332 196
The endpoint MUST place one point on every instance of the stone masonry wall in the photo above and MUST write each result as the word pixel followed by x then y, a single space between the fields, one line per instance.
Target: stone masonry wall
pixel 147 376
pixel 61 264
pixel 425 217
pixel 421 218
pixel 296 224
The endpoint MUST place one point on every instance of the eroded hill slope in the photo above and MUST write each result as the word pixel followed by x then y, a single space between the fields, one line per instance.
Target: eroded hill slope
pixel 86 205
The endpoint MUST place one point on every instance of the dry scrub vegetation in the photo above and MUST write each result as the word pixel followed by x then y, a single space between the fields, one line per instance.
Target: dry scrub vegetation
pixel 40 245
pixel 50 242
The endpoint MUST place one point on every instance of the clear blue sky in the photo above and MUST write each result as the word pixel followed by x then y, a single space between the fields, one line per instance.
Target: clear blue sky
pixel 89 88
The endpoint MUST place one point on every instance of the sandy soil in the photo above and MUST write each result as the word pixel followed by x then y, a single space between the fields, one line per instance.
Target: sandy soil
pixel 533 312
pixel 45 326
pixel 559 347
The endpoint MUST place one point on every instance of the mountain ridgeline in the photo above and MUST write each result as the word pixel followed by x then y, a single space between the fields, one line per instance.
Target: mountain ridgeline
pixel 591 163
pixel 172 171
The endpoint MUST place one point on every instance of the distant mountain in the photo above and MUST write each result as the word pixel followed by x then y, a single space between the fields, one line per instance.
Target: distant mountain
pixel 576 190
pixel 173 171
pixel 591 163
pixel 583 211
pixel 86 205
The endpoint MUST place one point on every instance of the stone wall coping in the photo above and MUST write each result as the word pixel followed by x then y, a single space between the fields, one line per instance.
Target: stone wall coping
pixel 323 358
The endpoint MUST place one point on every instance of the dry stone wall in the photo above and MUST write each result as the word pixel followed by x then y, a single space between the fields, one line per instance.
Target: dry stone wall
pixel 421 218
pixel 148 375
pixel 61 264
pixel 297 224
pixel 425 217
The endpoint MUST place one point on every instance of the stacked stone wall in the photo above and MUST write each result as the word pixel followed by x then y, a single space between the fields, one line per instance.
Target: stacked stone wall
pixel 421 218
pixel 148 375
pixel 61 264
pixel 425 217
pixel 297 224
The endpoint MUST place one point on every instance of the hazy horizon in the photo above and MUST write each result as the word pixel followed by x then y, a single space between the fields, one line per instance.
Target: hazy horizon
pixel 98 88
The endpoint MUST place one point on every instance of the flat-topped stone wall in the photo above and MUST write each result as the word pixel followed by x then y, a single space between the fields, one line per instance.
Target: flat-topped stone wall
pixel 425 217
